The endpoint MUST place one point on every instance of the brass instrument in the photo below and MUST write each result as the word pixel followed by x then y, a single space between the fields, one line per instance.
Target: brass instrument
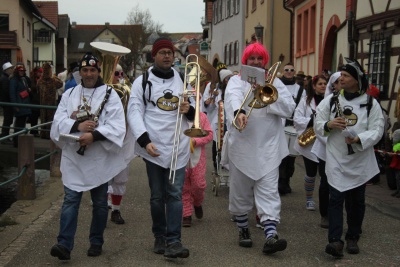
pixel 307 137
pixel 109 55
pixel 350 150
pixel 265 94
pixel 195 130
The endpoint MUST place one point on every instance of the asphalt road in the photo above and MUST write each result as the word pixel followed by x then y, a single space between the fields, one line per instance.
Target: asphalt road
pixel 213 241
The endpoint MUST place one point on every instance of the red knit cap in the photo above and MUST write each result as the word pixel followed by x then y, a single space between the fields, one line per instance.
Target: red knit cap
pixel 161 43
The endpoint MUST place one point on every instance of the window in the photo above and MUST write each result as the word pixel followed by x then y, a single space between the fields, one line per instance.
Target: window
pixel 236 53
pixel 42 36
pixel 230 54
pixel 379 62
pixel 81 45
pixel 253 5
pixel 36 54
pixel 228 8
pixel 215 7
pixel 306 29
pixel 236 6
pixel 28 28
pixel 4 23
pixel 247 8
pixel 226 53
pixel 220 9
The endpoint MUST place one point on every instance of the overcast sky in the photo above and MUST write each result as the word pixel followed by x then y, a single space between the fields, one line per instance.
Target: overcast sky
pixel 174 15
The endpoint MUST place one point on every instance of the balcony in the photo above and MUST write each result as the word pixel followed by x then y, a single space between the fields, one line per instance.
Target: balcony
pixel 42 36
pixel 8 40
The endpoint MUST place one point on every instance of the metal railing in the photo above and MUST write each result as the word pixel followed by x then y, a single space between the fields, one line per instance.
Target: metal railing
pixel 26 161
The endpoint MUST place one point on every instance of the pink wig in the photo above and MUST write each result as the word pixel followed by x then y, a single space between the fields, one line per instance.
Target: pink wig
pixel 257 49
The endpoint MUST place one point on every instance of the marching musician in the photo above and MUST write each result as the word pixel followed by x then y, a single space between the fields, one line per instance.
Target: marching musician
pixel 286 169
pixel 211 99
pixel 117 186
pixel 92 112
pixel 256 152
pixel 304 120
pixel 347 172
pixel 152 118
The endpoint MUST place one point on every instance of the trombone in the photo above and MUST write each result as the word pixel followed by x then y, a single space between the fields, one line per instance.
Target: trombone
pixel 266 94
pixel 192 77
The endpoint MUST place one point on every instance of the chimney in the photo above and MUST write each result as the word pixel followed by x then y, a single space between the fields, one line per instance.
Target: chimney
pixel 107 24
pixel 73 25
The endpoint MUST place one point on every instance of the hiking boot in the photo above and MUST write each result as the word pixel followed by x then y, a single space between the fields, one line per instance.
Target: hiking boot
pixel 310 205
pixel 94 250
pixel 159 245
pixel 324 222
pixel 352 247
pixel 274 244
pixel 62 253
pixel 335 249
pixel 176 250
pixel 244 238
pixel 116 217
pixel 187 221
pixel 198 211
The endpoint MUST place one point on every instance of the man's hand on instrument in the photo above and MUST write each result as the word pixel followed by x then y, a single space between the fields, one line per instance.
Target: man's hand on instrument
pixel 151 149
pixel 86 139
pixel 87 126
pixel 184 107
pixel 352 140
pixel 241 121
pixel 337 123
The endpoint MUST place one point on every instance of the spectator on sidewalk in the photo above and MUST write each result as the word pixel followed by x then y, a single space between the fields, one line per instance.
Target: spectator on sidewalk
pixel 35 76
pixel 8 112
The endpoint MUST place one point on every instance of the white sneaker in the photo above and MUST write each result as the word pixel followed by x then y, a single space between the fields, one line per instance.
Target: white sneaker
pixel 310 205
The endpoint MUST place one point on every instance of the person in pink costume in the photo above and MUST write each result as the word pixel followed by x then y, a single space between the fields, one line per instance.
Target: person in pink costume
pixel 195 181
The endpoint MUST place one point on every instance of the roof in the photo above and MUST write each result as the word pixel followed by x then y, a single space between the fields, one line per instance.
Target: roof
pixel 49 10
pixel 83 35
pixel 31 6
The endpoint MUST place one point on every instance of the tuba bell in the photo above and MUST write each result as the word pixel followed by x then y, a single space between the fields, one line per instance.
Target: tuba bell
pixel 109 56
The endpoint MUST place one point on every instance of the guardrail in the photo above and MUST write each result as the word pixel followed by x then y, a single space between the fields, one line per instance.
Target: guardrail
pixel 26 152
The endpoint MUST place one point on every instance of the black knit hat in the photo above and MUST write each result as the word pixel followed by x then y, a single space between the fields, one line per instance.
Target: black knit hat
pixel 89 60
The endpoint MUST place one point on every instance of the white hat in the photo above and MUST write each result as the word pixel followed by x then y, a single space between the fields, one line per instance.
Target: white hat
pixel 224 73
pixel 7 65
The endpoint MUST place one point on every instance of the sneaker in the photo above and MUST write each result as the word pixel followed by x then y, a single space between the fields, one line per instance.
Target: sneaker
pixel 198 211
pixel 274 244
pixel 187 221
pixel 94 250
pixel 159 245
pixel 310 205
pixel 244 238
pixel 61 252
pixel 258 223
pixel 335 249
pixel 116 217
pixel 176 250
pixel 324 222
pixel 352 247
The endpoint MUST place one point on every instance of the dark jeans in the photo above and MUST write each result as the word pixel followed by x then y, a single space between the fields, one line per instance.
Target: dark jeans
pixel 165 202
pixel 34 119
pixel 355 209
pixel 69 216
pixel 323 192
pixel 19 124
pixel 8 113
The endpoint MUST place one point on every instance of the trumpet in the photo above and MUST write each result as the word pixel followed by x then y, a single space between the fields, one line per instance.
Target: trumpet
pixel 196 130
pixel 265 94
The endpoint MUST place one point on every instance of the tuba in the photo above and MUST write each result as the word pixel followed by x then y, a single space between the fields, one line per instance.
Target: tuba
pixel 266 94
pixel 109 55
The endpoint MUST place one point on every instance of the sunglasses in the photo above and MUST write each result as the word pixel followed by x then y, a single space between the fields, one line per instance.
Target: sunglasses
pixel 289 70
pixel 118 73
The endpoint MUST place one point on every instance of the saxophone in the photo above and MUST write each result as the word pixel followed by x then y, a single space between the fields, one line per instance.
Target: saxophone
pixel 307 137
pixel 350 150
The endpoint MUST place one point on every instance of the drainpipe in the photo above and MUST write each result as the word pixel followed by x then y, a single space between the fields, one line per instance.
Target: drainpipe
pixel 350 34
pixel 291 29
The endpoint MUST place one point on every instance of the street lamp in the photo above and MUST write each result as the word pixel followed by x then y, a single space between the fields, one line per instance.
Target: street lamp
pixel 259 29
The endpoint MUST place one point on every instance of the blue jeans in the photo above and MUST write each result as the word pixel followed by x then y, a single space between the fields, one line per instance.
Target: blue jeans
pixel 165 202
pixel 355 209
pixel 69 216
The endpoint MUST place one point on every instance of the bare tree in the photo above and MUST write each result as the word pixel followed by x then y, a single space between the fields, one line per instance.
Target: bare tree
pixel 137 40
